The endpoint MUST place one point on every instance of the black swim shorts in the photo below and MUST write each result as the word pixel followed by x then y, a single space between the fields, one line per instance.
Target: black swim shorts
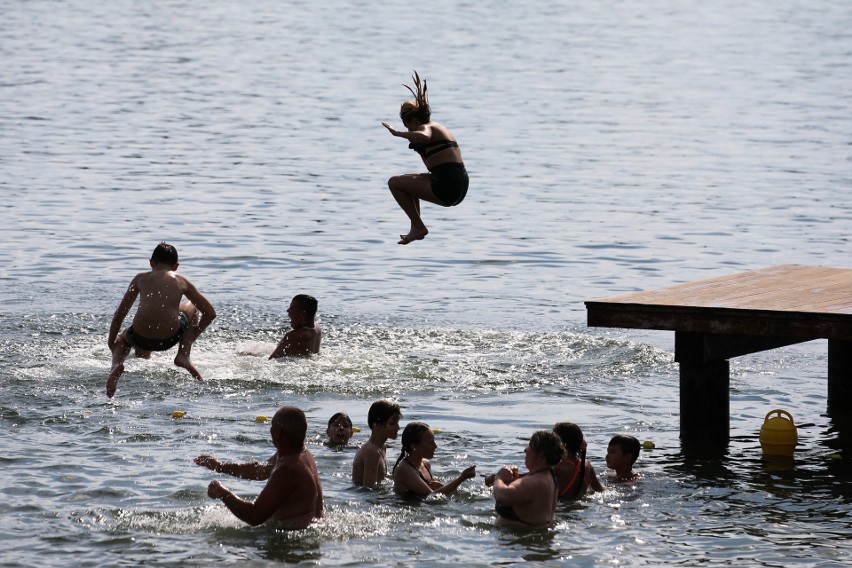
pixel 450 183
pixel 146 344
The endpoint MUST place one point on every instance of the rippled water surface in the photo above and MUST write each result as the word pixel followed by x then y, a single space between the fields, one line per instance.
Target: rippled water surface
pixel 612 147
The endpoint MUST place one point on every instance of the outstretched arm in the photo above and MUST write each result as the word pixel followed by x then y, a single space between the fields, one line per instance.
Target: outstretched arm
pixel 420 136
pixel 255 471
pixel 255 513
pixel 453 485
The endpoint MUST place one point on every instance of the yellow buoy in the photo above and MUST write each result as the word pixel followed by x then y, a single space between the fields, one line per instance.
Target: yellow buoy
pixel 778 436
pixel 648 445
pixel 260 418
pixel 356 429
pixel 178 414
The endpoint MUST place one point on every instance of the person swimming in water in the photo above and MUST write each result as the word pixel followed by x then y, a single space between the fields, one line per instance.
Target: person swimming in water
pixel 621 454
pixel 446 183
pixel 292 496
pixel 412 473
pixel 576 475
pixel 370 466
pixel 339 430
pixel 529 499
pixel 305 336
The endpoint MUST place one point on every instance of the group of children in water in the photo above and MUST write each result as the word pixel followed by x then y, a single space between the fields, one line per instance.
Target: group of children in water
pixel 555 460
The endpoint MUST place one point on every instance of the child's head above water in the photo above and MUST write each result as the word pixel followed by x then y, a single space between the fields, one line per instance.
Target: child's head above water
pixel 621 454
pixel 339 429
pixel 571 436
pixel 165 253
pixel 627 445
pixel 381 411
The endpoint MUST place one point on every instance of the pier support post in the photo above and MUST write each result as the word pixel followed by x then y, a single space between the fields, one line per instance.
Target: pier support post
pixel 705 407
pixel 839 376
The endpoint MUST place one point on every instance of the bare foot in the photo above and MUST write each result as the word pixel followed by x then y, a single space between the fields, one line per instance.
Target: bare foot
pixel 112 381
pixel 413 235
pixel 185 363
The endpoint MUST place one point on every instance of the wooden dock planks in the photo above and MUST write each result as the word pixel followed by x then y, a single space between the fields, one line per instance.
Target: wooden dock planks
pixel 734 315
pixel 804 301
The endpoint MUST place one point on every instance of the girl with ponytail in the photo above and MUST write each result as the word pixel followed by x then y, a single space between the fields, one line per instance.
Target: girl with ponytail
pixel 412 473
pixel 574 473
pixel 447 181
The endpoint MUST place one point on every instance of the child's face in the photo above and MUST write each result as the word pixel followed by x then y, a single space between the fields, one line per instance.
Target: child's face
pixel 339 432
pixel 616 458
pixel 391 427
pixel 427 444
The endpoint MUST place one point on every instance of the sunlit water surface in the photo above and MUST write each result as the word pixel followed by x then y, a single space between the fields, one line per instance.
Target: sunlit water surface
pixel 612 147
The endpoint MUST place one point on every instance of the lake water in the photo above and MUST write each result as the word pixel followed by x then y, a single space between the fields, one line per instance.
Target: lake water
pixel 612 147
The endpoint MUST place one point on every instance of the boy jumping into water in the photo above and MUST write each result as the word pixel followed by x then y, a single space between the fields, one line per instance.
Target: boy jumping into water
pixel 162 320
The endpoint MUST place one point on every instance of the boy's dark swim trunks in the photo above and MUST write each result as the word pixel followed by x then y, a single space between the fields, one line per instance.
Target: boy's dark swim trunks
pixel 140 342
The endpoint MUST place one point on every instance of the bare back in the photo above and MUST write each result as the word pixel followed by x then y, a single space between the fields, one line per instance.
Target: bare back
pixel 533 498
pixel 299 342
pixel 160 293
pixel 295 485
pixel 439 132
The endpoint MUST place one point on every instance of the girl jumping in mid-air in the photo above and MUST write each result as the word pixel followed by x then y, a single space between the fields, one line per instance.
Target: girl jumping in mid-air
pixel 446 183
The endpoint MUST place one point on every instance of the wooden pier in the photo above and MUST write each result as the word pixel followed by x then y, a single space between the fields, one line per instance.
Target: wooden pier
pixel 729 316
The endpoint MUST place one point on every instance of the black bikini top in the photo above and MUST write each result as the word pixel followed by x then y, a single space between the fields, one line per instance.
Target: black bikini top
pixel 417 469
pixel 431 147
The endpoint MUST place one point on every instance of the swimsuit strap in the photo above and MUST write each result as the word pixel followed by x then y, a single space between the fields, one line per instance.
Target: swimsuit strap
pixel 577 472
pixel 417 469
pixel 439 146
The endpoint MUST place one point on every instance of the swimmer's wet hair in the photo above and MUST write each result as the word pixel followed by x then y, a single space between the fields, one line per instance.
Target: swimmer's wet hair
pixel 338 415
pixel 411 435
pixel 164 253
pixel 292 421
pixel 309 303
pixel 381 411
pixel 419 107
pixel 628 445
pixel 571 436
pixel 549 444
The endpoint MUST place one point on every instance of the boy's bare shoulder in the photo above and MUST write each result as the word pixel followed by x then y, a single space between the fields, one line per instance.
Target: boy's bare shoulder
pixel 367 451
